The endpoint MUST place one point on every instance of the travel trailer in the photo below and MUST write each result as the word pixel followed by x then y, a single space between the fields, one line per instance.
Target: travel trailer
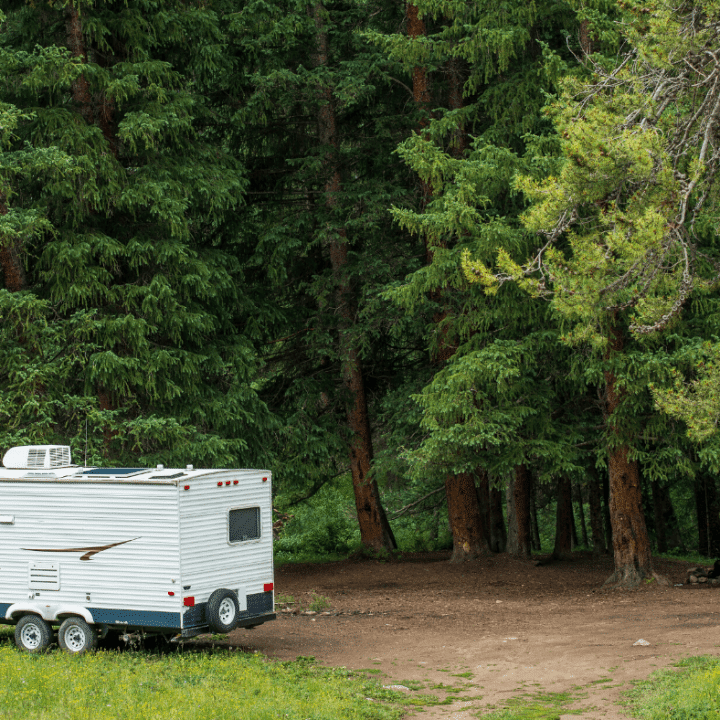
pixel 86 551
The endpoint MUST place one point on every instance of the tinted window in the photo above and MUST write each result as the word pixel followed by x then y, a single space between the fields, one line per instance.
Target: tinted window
pixel 244 524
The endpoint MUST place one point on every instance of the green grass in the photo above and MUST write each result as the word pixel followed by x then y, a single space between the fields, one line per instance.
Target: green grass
pixel 183 685
pixel 690 693
pixel 540 706
pixel 319 602
pixel 687 557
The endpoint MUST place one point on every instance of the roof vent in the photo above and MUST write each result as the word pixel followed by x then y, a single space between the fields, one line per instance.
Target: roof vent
pixel 37 456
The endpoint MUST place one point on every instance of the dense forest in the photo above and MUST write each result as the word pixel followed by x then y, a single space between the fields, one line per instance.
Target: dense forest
pixel 455 262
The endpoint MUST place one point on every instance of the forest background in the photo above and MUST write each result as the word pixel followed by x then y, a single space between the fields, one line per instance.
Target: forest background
pixel 448 269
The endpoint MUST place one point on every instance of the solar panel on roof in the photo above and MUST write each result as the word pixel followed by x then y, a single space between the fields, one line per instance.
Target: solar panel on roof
pixel 113 471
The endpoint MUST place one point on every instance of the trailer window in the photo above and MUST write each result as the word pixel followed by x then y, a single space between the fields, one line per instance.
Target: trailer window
pixel 244 524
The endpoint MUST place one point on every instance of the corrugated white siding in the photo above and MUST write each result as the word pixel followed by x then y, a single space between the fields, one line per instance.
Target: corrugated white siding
pixel 53 516
pixel 208 561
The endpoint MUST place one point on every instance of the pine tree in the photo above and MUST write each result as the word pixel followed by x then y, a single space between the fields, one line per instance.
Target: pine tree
pixel 623 222
pixel 130 316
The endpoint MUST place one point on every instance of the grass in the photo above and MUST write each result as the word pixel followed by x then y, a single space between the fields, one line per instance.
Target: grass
pixel 540 706
pixel 183 685
pixel 691 692
pixel 319 603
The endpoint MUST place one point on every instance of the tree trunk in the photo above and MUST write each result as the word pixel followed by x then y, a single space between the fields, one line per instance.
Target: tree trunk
pixel 573 527
pixel 578 490
pixel 455 102
pixel 563 520
pixel 465 518
pixel 659 516
pixel 670 520
pixel 606 512
pixel 519 489
pixel 498 533
pixel 76 44
pixel 534 526
pixel 596 519
pixel 631 545
pixel 375 531
pixel 706 500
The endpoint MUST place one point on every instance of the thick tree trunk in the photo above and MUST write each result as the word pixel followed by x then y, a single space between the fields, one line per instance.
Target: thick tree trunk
pixel 596 519
pixel 631 544
pixel 578 489
pixel 518 542
pixel 375 531
pixel 465 518
pixel 563 520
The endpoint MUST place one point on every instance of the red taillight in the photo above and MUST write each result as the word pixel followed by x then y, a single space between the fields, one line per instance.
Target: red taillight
pixel 264 479
pixel 267 587
pixel 235 482
pixel 170 592
pixel 227 482
pixel 189 601
pixel 220 484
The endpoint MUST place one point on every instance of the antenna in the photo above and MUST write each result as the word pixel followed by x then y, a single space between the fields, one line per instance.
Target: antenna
pixel 86 424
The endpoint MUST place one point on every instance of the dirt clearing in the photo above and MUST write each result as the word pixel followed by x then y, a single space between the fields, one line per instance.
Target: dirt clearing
pixel 494 628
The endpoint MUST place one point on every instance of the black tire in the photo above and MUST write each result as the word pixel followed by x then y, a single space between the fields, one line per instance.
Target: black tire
pixel 76 637
pixel 223 611
pixel 33 634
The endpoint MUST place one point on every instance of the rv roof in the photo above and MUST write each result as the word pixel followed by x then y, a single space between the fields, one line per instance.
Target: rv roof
pixel 114 471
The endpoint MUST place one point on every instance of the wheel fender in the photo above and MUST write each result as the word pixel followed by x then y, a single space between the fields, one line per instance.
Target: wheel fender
pixel 48 612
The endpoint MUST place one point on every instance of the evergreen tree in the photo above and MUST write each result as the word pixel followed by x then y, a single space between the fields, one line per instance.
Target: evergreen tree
pixel 130 315
pixel 624 221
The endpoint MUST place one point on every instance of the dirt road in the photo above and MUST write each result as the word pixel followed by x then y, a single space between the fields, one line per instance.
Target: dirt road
pixel 512 626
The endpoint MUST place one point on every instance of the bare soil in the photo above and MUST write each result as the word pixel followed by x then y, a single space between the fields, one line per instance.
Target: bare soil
pixel 514 626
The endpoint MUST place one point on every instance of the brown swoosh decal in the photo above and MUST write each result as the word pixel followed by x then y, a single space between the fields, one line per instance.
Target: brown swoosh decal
pixel 89 551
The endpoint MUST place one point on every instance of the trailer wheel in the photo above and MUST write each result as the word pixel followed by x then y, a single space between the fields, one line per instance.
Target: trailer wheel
pixel 76 636
pixel 222 611
pixel 33 634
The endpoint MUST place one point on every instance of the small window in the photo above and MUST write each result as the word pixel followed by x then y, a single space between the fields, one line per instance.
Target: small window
pixel 244 524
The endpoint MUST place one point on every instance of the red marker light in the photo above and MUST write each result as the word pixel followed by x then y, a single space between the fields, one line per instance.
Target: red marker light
pixel 264 479
pixel 220 484
pixel 170 592
pixel 189 601
pixel 227 482
pixel 267 587
pixel 235 482
pixel 186 487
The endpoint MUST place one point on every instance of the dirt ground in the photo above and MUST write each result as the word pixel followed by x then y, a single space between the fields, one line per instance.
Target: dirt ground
pixel 514 626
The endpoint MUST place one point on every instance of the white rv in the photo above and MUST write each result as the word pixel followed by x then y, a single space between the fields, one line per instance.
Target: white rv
pixel 90 550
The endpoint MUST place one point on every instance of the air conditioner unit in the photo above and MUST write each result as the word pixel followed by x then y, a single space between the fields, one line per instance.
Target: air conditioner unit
pixel 37 457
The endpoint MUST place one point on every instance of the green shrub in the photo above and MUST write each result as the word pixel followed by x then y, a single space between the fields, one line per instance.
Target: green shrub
pixel 325 526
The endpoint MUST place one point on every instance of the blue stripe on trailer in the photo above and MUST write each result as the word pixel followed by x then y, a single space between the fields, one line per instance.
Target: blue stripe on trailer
pixel 136 618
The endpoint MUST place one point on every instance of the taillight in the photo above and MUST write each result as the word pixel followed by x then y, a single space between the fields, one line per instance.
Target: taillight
pixel 267 587
pixel 189 601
